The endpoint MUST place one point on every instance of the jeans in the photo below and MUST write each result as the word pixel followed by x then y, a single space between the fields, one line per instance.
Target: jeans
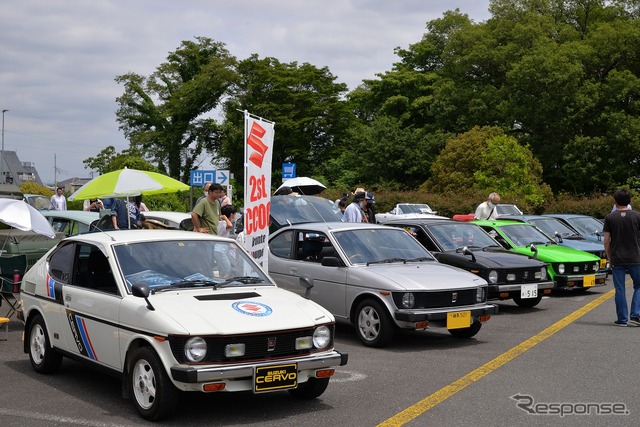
pixel 622 310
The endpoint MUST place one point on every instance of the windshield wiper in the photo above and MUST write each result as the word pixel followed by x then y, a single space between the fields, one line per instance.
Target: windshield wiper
pixel 388 261
pixel 188 284
pixel 422 258
pixel 242 279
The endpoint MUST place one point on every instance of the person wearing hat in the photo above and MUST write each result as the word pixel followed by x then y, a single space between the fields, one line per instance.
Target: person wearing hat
pixel 344 198
pixel 353 212
pixel 369 211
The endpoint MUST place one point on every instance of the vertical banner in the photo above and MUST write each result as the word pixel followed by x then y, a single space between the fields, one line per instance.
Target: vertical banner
pixel 257 185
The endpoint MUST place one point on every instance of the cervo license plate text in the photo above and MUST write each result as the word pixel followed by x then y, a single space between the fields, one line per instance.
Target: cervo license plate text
pixel 277 377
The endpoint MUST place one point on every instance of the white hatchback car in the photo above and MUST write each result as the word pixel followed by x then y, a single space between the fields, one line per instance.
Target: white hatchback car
pixel 174 311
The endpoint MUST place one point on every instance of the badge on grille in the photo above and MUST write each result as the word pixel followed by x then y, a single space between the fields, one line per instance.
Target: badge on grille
pixel 271 343
pixel 454 297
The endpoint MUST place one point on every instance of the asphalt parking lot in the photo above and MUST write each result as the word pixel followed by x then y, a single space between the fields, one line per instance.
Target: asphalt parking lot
pixel 562 362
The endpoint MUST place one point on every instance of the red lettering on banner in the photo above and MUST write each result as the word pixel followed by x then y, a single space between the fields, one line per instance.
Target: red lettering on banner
pixel 255 141
pixel 258 188
pixel 257 218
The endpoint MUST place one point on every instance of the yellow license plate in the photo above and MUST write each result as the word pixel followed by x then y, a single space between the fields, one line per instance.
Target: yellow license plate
pixel 603 263
pixel 589 281
pixel 459 319
pixel 276 377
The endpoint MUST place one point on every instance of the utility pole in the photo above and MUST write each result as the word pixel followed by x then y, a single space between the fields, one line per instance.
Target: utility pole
pixel 2 152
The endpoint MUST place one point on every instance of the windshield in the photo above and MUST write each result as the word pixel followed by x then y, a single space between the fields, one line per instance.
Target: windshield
pixel 508 210
pixel 551 226
pixel 454 236
pixel 185 263
pixel 368 246
pixel 524 235
pixel 303 209
pixel 407 208
pixel 586 225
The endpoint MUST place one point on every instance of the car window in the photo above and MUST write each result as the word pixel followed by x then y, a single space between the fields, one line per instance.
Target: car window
pixel 281 245
pixel 93 271
pixel 61 263
pixel 313 246
pixel 551 226
pixel 60 225
pixel 379 245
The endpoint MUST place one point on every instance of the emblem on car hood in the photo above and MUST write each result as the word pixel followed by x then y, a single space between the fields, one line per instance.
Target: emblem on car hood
pixel 252 308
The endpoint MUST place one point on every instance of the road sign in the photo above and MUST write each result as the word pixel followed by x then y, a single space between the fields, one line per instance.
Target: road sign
pixel 197 178
pixel 288 170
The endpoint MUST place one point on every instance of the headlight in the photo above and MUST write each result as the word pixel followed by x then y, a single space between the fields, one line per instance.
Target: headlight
pixel 596 267
pixel 321 337
pixel 234 350
pixel 408 300
pixel 561 268
pixel 543 273
pixel 493 276
pixel 511 277
pixel 195 349
pixel 481 294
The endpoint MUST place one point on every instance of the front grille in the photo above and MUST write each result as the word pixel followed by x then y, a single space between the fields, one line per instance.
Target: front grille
pixel 256 346
pixel 572 268
pixel 524 275
pixel 438 299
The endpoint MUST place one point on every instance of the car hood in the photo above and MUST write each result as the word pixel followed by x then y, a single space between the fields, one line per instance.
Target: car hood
pixel 430 276
pixel 583 244
pixel 557 253
pixel 237 310
pixel 492 259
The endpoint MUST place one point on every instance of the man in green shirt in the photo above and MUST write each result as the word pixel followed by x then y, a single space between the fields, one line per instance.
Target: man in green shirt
pixel 206 214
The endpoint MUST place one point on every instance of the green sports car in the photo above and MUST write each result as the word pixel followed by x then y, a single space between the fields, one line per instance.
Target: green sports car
pixel 569 268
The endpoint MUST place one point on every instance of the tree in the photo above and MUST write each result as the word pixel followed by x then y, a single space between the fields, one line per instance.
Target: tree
pixel 164 115
pixel 311 119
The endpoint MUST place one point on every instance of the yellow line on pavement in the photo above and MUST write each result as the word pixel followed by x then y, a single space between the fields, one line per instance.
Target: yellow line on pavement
pixel 446 392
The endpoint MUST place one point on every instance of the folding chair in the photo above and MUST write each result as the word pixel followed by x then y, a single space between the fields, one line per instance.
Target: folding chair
pixel 4 323
pixel 8 266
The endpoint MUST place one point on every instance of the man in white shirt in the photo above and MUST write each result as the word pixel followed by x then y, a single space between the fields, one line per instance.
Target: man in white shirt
pixel 487 210
pixel 58 201
pixel 353 212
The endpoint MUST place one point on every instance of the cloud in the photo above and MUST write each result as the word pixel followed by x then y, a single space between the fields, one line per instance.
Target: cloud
pixel 60 57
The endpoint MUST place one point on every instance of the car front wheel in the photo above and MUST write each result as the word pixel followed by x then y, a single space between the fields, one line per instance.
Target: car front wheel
pixel 373 324
pixel 154 395
pixel 527 302
pixel 42 356
pixel 466 332
pixel 313 388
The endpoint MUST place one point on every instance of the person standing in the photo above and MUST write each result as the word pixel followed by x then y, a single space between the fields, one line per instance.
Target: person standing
pixel 206 191
pixel 353 212
pixel 58 201
pixel 224 198
pixel 125 215
pixel 622 244
pixel 206 214
pixel 487 210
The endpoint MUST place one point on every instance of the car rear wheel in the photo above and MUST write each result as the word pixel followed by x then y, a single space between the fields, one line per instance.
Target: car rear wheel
pixel 313 388
pixel 527 302
pixel 43 358
pixel 373 324
pixel 466 332
pixel 154 395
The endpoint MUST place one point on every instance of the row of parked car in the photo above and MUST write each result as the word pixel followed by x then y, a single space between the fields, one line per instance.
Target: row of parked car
pixel 169 311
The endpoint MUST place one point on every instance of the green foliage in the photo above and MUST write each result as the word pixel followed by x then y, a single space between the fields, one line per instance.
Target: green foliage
pixel 31 187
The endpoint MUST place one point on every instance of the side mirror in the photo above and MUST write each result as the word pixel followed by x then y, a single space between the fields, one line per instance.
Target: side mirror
pixel 141 290
pixel 331 261
pixel 559 236
pixel 306 282
pixel 466 251
pixel 534 249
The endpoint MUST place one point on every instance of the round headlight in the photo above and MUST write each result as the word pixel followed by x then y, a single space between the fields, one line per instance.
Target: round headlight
pixel 493 276
pixel 543 273
pixel 408 300
pixel 595 267
pixel 481 294
pixel 561 268
pixel 321 337
pixel 195 349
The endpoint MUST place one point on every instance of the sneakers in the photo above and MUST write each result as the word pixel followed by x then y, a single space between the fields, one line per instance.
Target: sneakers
pixel 635 321
pixel 619 323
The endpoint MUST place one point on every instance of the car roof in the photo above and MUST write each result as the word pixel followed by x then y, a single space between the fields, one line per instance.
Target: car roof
pixel 555 215
pixel 435 220
pixel 499 222
pixel 115 237
pixel 170 215
pixel 335 226
pixel 83 216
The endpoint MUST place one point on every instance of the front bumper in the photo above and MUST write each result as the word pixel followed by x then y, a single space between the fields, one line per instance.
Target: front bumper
pixel 577 281
pixel 202 374
pixel 433 315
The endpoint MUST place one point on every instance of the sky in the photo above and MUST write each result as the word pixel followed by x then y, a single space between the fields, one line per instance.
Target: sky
pixel 59 58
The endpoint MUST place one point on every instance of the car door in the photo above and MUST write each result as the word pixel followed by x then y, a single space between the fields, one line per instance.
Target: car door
pixel 92 302
pixel 299 253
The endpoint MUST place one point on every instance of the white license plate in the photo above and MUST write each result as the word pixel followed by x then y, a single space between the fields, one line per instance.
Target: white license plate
pixel 528 291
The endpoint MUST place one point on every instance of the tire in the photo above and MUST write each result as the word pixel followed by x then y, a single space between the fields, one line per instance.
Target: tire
pixel 43 357
pixel 527 302
pixel 469 332
pixel 313 388
pixel 154 395
pixel 373 324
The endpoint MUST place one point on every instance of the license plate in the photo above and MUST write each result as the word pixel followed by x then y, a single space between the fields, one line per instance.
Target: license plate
pixel 603 263
pixel 529 291
pixel 276 377
pixel 459 319
pixel 589 281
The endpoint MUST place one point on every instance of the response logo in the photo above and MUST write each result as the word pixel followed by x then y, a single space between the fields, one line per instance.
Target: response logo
pixel 252 308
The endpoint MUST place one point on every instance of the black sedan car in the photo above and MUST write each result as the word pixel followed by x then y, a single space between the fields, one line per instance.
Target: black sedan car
pixel 468 246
